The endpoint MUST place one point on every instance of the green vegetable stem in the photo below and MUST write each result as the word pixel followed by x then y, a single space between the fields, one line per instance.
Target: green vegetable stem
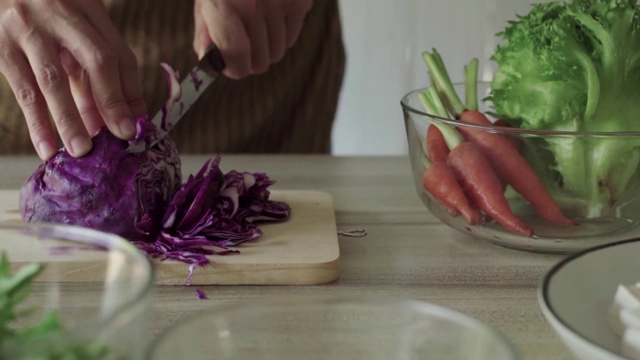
pixel 45 340
pixel 432 103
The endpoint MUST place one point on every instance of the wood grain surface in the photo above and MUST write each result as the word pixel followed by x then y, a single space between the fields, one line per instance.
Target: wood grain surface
pixel 407 253
pixel 302 250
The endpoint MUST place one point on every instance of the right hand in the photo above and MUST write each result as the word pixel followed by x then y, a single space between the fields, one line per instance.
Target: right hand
pixel 251 34
pixel 66 58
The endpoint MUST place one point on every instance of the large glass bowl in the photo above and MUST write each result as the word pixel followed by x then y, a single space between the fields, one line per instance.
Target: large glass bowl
pixel 98 286
pixel 598 221
pixel 330 327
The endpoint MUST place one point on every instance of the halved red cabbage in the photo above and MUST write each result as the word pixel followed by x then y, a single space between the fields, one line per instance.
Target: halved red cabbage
pixel 109 189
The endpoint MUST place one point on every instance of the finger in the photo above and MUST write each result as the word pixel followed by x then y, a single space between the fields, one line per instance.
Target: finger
pixel 101 64
pixel 276 31
pixel 227 31
pixel 201 39
pixel 256 26
pixel 82 94
pixel 130 77
pixel 23 83
pixel 52 81
pixel 294 26
pixel 295 20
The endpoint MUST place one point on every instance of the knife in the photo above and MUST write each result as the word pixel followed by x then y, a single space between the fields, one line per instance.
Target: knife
pixel 192 86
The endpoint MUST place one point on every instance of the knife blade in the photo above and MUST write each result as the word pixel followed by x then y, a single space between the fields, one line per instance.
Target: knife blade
pixel 192 86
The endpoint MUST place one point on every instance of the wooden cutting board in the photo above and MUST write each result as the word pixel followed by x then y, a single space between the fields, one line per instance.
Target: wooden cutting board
pixel 300 251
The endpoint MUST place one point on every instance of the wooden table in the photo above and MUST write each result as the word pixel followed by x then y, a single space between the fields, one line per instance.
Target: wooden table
pixel 407 252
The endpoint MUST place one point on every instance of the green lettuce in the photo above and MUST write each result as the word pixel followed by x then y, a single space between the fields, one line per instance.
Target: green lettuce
pixel 576 67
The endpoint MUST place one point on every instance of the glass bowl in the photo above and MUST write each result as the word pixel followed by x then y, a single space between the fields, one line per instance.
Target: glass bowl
pixel 599 219
pixel 93 293
pixel 330 327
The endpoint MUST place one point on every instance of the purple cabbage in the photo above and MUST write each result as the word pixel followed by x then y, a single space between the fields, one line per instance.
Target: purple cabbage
pixel 213 212
pixel 201 295
pixel 139 195
pixel 109 189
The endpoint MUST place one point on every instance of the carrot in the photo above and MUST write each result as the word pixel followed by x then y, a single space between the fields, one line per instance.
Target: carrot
pixel 514 168
pixel 440 180
pixel 503 156
pixel 478 180
pixel 437 148
pixel 451 211
pixel 501 122
pixel 483 120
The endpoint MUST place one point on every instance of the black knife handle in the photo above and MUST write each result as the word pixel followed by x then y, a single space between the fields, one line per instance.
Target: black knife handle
pixel 214 58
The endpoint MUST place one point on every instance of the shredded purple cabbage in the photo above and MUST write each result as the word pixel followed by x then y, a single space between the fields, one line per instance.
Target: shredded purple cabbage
pixel 213 212
pixel 201 295
pixel 175 92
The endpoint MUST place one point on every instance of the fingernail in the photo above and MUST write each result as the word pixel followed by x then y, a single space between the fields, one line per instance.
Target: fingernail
pixel 126 129
pixel 80 145
pixel 45 150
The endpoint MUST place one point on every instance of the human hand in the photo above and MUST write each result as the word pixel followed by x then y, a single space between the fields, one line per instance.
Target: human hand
pixel 66 58
pixel 251 34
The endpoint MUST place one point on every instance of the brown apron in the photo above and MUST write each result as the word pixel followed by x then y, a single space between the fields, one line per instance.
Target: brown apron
pixel 289 109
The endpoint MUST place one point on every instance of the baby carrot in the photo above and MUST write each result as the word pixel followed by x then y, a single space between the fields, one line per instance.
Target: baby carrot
pixel 502 154
pixel 514 168
pixel 437 148
pixel 440 180
pixel 482 185
pixel 501 122
pixel 479 118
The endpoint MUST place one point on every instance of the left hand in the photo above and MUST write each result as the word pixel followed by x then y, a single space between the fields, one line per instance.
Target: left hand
pixel 251 34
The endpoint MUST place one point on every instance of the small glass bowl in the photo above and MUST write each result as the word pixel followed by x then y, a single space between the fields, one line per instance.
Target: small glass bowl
pixel 597 223
pixel 330 327
pixel 98 284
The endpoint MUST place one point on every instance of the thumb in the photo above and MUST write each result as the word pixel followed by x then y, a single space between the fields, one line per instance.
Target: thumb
pixel 201 39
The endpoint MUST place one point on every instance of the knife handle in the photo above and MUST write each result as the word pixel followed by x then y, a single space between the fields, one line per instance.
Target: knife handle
pixel 214 59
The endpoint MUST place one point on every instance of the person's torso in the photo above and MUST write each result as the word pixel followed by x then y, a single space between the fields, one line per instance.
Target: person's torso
pixel 288 109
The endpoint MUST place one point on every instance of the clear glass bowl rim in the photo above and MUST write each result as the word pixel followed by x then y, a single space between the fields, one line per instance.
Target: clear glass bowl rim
pixel 77 234
pixel 404 102
pixel 289 302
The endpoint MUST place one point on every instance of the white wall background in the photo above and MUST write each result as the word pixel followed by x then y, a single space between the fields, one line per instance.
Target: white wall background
pixel 384 40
